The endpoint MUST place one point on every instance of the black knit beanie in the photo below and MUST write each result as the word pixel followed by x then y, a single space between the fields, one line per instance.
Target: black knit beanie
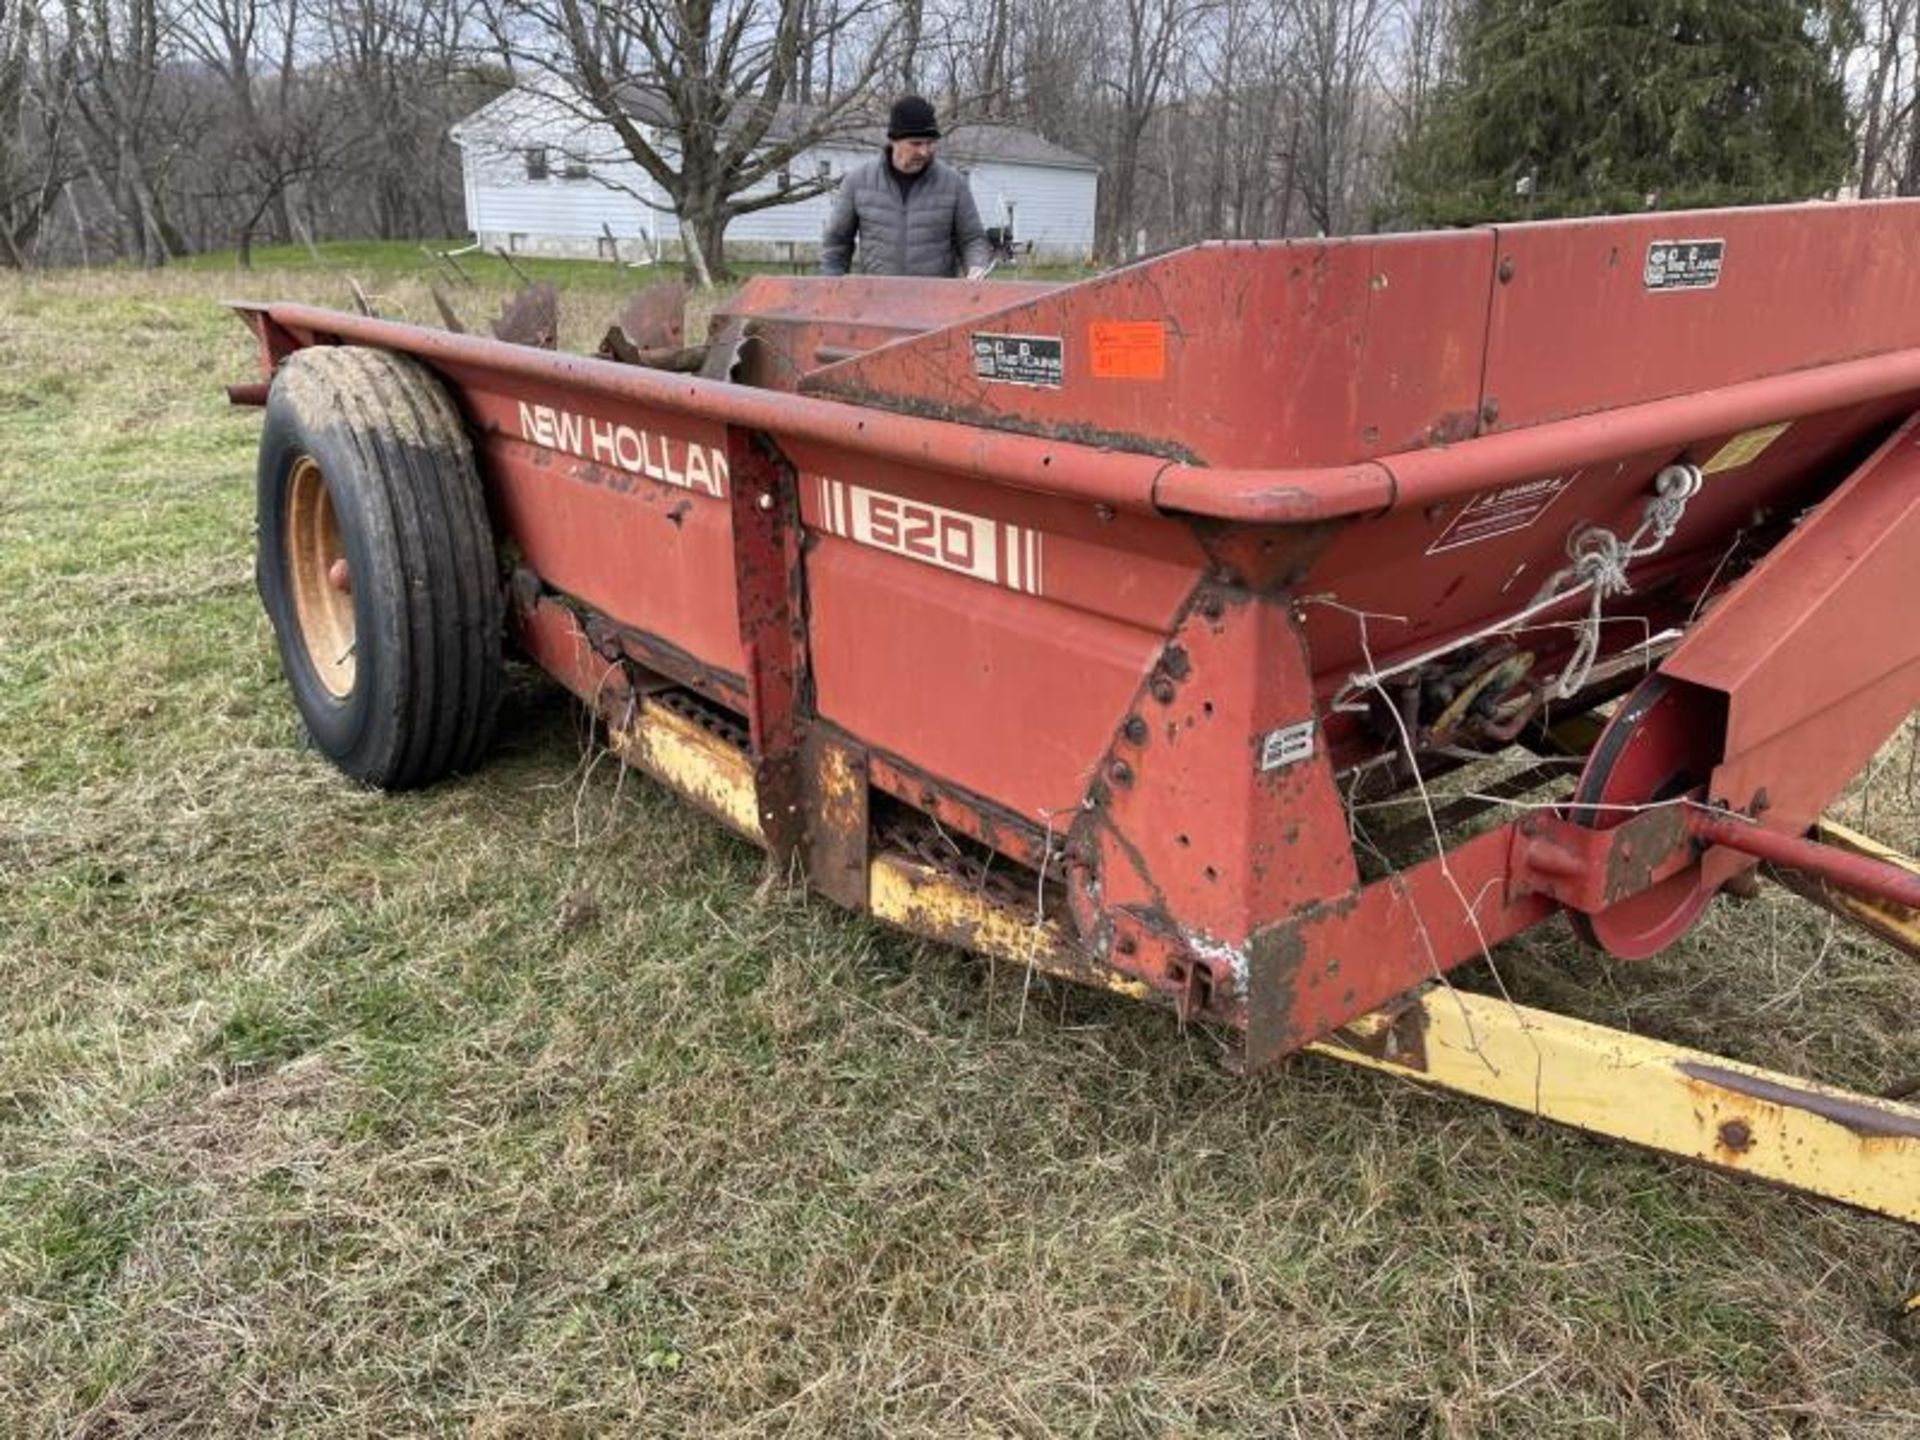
pixel 912 118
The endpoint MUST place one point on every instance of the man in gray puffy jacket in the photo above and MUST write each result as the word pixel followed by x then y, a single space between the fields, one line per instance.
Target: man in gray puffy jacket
pixel 906 212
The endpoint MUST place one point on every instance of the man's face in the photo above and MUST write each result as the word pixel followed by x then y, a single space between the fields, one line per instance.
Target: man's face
pixel 910 157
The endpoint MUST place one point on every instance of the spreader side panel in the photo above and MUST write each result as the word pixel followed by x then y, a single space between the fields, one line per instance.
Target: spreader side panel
pixel 1590 315
pixel 1313 352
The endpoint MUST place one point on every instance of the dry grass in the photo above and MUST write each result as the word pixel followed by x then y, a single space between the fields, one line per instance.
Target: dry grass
pixel 521 1108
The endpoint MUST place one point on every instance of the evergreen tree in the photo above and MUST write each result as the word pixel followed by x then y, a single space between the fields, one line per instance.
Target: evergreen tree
pixel 1604 103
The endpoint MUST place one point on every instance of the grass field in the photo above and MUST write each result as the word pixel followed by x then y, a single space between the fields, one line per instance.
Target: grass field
pixel 524 1107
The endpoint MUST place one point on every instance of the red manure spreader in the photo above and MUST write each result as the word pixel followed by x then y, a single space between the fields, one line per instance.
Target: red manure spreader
pixel 1096 626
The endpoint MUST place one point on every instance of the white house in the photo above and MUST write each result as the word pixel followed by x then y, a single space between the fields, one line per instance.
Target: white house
pixel 540 179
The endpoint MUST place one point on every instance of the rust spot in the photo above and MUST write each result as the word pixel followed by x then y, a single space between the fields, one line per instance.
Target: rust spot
pixel 1176 662
pixel 1453 426
pixel 1736 1135
pixel 1400 1040
pixel 1275 958
pixel 1632 864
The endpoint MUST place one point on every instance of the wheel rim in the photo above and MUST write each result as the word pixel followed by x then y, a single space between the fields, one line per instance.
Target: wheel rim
pixel 321 583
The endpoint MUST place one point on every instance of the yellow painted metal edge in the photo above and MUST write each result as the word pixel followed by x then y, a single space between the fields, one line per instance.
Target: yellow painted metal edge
pixel 1857 1149
pixel 904 892
pixel 693 762
pixel 1896 924
pixel 1829 831
pixel 928 901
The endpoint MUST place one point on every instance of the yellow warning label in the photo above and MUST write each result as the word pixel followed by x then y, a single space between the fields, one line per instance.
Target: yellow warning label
pixel 1744 448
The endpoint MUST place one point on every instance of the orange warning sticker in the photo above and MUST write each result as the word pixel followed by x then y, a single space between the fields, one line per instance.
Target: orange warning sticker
pixel 1128 349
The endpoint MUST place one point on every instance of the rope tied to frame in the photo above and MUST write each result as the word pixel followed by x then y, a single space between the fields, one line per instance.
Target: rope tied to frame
pixel 1599 563
pixel 1599 566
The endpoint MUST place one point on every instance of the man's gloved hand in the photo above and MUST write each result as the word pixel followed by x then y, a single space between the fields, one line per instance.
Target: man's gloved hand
pixel 978 272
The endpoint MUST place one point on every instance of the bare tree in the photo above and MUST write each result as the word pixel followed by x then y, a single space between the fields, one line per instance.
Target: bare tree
pixel 34 159
pixel 701 93
pixel 252 48
pixel 1334 80
pixel 1884 110
pixel 395 61
pixel 132 127
pixel 1151 50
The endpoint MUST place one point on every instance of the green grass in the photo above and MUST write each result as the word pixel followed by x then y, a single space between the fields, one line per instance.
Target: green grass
pixel 380 263
pixel 525 1106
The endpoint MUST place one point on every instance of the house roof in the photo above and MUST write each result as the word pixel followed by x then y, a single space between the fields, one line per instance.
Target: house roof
pixel 1010 144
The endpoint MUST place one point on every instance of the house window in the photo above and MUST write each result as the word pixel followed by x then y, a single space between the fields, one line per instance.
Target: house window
pixel 573 168
pixel 784 179
pixel 536 162
pixel 826 169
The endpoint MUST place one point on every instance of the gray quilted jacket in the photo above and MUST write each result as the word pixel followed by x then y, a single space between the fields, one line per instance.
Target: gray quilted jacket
pixel 935 230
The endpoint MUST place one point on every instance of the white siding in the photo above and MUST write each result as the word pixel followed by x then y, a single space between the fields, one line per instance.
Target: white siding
pixel 801 222
pixel 556 214
pixel 503 200
pixel 1052 205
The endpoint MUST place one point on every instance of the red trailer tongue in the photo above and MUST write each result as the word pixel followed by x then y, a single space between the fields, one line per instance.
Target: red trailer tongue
pixel 1093 626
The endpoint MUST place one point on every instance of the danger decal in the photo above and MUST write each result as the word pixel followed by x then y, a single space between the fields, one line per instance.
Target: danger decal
pixel 666 458
pixel 1493 513
pixel 990 550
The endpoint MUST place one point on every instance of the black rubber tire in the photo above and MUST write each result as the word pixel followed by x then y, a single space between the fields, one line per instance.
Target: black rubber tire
pixel 404 509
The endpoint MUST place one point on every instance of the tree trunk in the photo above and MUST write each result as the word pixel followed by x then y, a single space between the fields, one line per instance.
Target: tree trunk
pixel 912 16
pixel 703 230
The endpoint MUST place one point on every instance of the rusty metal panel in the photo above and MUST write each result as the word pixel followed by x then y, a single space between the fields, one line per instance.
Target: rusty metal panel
pixel 1317 969
pixel 1215 803
pixel 772 606
pixel 553 639
pixel 530 317
pixel 655 318
pixel 834 782
pixel 1579 325
pixel 998 693
pixel 1311 352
